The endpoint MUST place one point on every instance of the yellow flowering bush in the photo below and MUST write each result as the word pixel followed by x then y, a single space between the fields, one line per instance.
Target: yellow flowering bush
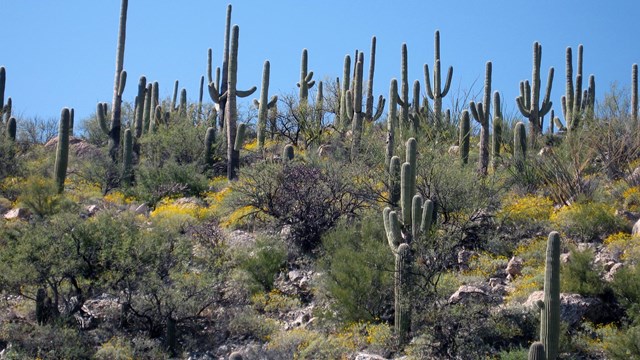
pixel 171 209
pixel 525 209
pixel 587 221
pixel 533 254
pixel 624 245
pixel 631 198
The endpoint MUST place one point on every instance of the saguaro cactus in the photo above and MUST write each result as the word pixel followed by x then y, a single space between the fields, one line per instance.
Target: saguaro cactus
pixel 436 92
pixel 634 92
pixel 3 80
pixel 218 88
pixel 354 110
pixel 288 152
pixel 571 101
pixel 118 84
pixel 519 145
pixel 62 151
pixel 127 158
pixel 231 113
pixel 341 120
pixel 140 106
pixel 11 128
pixel 305 78
pixel 401 229
pixel 264 105
pixel 402 98
pixel 550 312
pixel 497 131
pixel 530 96
pixel 482 113
pixel 370 116
pixel 536 351
pixel 465 136
pixel 209 140
pixel 392 121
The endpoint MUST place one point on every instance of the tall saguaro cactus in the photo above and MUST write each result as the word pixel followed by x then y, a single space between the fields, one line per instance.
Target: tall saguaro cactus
pixel 341 119
pixel 140 106
pixel 127 158
pixel 536 351
pixel 482 113
pixel 465 136
pixel 571 100
pixel 402 98
pixel 519 145
pixel 3 80
pixel 305 78
pixel 370 116
pixel 218 88
pixel 436 92
pixel 354 111
pixel 634 93
pixel 550 312
pixel 264 105
pixel 62 150
pixel 401 229
pixel 118 84
pixel 528 101
pixel 392 121
pixel 231 113
pixel 497 131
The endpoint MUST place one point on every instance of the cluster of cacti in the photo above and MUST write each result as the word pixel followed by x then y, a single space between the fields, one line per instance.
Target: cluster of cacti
pixel 550 308
pixel 575 103
pixel 5 109
pixel 62 150
pixel 482 114
pixel 528 101
pixel 401 229
pixel 436 92
pixel 264 105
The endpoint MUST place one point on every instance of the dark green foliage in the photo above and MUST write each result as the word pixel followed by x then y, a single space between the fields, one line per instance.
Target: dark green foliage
pixel 172 179
pixel 263 261
pixel 580 275
pixel 62 151
pixel 626 286
pixel 357 265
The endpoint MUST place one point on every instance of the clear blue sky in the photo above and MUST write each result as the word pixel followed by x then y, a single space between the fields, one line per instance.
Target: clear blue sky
pixel 62 53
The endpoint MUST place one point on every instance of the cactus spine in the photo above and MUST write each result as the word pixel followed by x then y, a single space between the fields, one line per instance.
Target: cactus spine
pixel 528 101
pixel 231 113
pixel 118 84
pixel 497 131
pixel 127 158
pixel 264 105
pixel 62 151
pixel 436 93
pixel 482 113
pixel 536 351
pixel 465 136
pixel 370 116
pixel 413 221
pixel 550 317
pixel 305 78
pixel 634 93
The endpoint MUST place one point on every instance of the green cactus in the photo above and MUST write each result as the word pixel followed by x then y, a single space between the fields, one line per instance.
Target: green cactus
pixel 11 128
pixel 72 115
pixel 101 114
pixel 174 98
pixel 370 116
pixel 402 98
pixel 354 112
pixel 394 180
pixel 519 145
pixel 528 101
pixel 157 119
pixel 415 220
pixel 200 98
pixel 240 137
pixel 634 93
pixel 392 121
pixel 536 351
pixel 288 153
pixel 6 110
pixel 182 108
pixel 118 85
pixel 62 151
pixel 319 107
pixel 3 80
pixel 417 113
pixel 127 158
pixel 550 312
pixel 482 113
pixel 146 110
pixel 346 76
pixel 140 106
pixel 465 136
pixel 263 105
pixel 218 89
pixel 571 100
pixel 496 144
pixel 589 95
pixel 305 78
pixel 436 92
pixel 231 112
pixel 209 140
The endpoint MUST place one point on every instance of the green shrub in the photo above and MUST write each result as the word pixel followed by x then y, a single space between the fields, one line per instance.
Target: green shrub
pixel 172 179
pixel 306 344
pixel 358 266
pixel 263 260
pixel 44 342
pixel 623 344
pixel 249 323
pixel 626 286
pixel 580 275
pixel 587 221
